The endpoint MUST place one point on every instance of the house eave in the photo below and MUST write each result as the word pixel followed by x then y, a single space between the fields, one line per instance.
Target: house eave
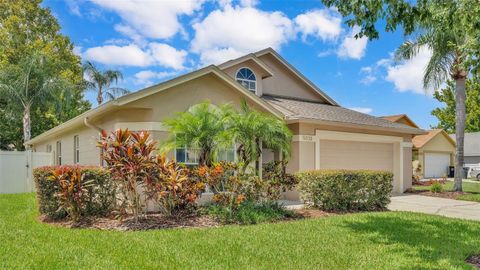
pixel 355 125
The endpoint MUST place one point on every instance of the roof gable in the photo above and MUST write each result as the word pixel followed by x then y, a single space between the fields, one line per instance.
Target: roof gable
pixel 401 119
pixel 297 74
pixel 420 141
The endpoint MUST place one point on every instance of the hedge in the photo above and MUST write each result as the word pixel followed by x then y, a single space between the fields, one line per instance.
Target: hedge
pixel 99 196
pixel 346 190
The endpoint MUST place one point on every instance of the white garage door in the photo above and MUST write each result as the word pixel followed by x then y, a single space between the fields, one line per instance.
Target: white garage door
pixel 356 155
pixel 436 164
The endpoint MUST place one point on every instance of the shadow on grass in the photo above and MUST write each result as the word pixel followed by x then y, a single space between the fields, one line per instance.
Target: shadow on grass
pixel 427 240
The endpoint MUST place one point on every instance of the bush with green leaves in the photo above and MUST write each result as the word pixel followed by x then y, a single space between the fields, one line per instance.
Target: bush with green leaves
pixel 249 212
pixel 436 187
pixel 91 193
pixel 346 190
pixel 277 180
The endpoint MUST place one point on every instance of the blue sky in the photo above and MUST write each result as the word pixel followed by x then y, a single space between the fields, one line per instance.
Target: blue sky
pixel 151 41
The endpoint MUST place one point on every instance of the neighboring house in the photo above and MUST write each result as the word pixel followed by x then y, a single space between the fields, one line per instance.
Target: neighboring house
pixel 326 135
pixel 435 151
pixel 471 147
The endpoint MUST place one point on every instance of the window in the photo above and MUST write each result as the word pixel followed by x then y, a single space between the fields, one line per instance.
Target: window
pixel 247 78
pixel 187 155
pixel 190 156
pixel 49 148
pixel 76 149
pixel 59 153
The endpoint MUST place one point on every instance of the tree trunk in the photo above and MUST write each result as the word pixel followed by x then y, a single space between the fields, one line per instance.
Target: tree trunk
pixel 460 118
pixel 100 96
pixel 26 124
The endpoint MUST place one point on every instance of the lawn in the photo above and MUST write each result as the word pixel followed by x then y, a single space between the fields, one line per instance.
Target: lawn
pixel 473 188
pixel 384 240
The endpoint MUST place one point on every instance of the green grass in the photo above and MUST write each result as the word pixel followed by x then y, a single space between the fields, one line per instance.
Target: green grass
pixel 383 240
pixel 473 188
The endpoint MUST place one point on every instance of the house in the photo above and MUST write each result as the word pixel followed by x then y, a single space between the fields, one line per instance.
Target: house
pixel 471 147
pixel 326 135
pixel 435 151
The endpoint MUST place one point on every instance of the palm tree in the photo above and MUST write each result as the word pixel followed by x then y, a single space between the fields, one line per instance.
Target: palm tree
pixel 100 81
pixel 446 62
pixel 252 130
pixel 30 83
pixel 202 127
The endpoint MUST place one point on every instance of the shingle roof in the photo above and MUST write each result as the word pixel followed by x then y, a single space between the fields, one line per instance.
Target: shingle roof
pixel 299 109
pixel 396 118
pixel 471 143
pixel 420 140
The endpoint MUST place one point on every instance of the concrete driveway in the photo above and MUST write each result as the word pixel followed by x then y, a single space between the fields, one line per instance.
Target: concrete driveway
pixel 436 206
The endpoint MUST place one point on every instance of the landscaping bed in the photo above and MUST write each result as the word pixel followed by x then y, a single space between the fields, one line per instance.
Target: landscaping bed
pixel 471 191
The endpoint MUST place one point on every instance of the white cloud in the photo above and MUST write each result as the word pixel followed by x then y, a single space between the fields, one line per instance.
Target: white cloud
pixel 235 31
pixel 368 79
pixel 168 56
pixel 74 7
pixel 408 76
pixel 362 109
pixel 368 75
pixel 146 77
pixel 130 55
pixel 156 54
pixel 324 24
pixel 352 47
pixel 152 19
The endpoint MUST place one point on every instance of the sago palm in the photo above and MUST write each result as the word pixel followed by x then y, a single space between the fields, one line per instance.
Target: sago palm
pixel 252 130
pixel 30 83
pixel 445 63
pixel 100 81
pixel 201 127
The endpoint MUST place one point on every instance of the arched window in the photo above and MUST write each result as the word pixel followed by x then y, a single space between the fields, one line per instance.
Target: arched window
pixel 247 78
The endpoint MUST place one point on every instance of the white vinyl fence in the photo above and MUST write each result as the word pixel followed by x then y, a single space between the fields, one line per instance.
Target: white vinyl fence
pixel 16 169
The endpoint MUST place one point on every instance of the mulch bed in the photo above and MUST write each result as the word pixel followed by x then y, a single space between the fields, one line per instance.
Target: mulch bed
pixel 158 221
pixel 444 194
pixel 313 213
pixel 474 260
pixel 150 222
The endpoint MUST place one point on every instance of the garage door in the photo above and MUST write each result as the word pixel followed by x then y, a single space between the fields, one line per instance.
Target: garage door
pixel 356 155
pixel 436 164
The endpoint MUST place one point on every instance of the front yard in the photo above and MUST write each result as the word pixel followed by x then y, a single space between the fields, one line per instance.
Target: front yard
pixel 471 190
pixel 381 240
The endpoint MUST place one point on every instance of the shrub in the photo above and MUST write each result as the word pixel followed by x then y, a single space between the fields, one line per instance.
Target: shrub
pixel 436 187
pixel 130 159
pixel 249 212
pixel 346 190
pixel 97 196
pixel 277 180
pixel 172 187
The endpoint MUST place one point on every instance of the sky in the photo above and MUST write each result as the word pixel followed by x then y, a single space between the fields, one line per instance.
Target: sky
pixel 153 41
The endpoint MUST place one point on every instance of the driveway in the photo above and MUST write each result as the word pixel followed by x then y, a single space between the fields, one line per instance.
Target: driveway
pixel 436 206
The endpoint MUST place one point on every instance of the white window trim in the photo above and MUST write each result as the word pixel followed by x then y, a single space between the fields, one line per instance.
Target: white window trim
pixel 76 149
pixel 255 81
pixel 58 148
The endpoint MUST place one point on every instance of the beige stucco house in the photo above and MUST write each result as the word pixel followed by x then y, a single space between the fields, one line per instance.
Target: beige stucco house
pixel 434 151
pixel 326 135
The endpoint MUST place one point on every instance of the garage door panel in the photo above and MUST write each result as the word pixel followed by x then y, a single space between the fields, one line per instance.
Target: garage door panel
pixel 436 164
pixel 356 155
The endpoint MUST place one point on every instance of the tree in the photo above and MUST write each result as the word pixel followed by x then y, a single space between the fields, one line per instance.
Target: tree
pixel 446 114
pixel 27 29
pixel 203 127
pixel 252 130
pixel 100 81
pixel 28 84
pixel 448 28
